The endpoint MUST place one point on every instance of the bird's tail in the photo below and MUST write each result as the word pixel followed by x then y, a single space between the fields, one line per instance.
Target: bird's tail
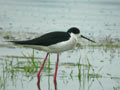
pixel 19 42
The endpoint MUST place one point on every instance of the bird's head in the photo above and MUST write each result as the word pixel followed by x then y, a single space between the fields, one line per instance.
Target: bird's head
pixel 76 31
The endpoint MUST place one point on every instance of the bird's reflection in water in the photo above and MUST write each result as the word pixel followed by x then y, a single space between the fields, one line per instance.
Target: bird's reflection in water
pixel 38 85
pixel 55 85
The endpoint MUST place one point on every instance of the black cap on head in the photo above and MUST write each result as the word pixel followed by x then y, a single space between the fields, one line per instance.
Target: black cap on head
pixel 74 30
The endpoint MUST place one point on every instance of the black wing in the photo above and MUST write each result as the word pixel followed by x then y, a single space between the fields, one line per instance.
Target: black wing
pixel 46 39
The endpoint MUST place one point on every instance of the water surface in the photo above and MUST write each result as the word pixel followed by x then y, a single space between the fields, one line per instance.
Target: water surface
pixel 85 68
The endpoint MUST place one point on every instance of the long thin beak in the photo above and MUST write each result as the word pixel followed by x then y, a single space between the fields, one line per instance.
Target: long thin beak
pixel 87 39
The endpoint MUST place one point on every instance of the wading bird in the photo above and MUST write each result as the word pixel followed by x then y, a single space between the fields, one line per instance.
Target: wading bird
pixel 53 42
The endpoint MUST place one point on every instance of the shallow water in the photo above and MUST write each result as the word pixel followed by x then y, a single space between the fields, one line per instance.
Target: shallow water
pixel 95 18
pixel 81 69
pixel 86 68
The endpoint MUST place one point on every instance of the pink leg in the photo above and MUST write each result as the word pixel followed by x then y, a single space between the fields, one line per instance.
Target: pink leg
pixel 56 68
pixel 38 74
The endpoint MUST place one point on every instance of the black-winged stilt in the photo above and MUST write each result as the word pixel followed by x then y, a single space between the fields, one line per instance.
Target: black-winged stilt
pixel 54 42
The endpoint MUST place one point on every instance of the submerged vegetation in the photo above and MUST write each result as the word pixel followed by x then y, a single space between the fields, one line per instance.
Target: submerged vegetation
pixel 27 65
pixel 107 41
pixel 108 45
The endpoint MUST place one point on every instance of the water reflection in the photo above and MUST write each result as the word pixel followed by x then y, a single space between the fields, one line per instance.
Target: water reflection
pixel 55 85
pixel 88 69
pixel 91 70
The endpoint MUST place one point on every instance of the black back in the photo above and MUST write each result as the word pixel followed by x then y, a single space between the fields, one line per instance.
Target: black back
pixel 46 39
